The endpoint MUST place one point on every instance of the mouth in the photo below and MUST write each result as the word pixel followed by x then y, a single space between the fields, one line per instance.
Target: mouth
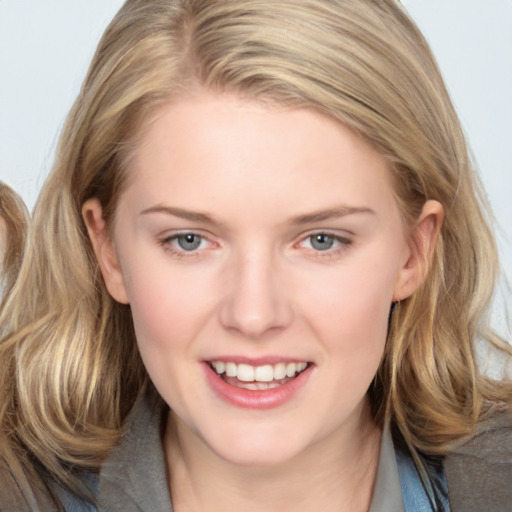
pixel 257 378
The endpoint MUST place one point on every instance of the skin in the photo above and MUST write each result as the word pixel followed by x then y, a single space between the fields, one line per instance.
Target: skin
pixel 256 286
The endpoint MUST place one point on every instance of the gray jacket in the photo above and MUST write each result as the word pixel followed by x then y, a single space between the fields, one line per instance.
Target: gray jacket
pixel 133 479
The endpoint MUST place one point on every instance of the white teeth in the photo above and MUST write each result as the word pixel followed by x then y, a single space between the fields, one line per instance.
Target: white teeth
pixel 264 373
pixel 291 369
pixel 260 375
pixel 220 367
pixel 231 369
pixel 259 386
pixel 245 373
pixel 280 371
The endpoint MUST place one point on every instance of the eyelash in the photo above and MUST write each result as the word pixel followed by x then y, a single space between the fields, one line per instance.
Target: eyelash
pixel 343 243
pixel 167 244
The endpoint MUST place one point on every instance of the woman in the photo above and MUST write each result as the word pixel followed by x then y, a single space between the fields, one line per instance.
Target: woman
pixel 256 276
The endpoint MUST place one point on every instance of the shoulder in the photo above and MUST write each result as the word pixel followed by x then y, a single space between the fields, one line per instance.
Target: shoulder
pixel 479 472
pixel 17 497
pixel 11 497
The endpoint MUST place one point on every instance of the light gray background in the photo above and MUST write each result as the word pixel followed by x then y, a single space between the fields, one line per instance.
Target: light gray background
pixel 46 45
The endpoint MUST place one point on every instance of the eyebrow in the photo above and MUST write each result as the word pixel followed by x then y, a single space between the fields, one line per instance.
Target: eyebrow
pixel 330 213
pixel 181 213
pixel 308 218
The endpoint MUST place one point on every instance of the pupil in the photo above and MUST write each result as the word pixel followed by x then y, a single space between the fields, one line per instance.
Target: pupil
pixel 189 242
pixel 322 242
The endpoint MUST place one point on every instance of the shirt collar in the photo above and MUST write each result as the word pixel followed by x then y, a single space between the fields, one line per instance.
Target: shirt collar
pixel 387 493
pixel 135 472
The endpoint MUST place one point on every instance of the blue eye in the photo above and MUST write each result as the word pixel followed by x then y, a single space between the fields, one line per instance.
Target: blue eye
pixel 322 242
pixel 187 244
pixel 188 241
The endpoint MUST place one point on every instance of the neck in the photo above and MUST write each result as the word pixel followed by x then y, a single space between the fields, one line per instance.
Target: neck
pixel 336 473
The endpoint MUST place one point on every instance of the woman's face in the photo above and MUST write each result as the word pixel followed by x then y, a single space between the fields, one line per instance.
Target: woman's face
pixel 260 249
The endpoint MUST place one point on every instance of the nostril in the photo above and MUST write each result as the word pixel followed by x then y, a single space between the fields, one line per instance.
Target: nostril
pixel 254 303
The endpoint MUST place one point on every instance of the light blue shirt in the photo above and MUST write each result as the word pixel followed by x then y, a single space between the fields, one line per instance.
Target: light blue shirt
pixel 133 479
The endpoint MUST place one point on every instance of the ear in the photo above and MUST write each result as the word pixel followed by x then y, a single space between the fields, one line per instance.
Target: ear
pixel 104 250
pixel 421 245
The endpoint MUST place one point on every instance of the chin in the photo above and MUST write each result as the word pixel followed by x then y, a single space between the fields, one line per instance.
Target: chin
pixel 258 456
pixel 261 448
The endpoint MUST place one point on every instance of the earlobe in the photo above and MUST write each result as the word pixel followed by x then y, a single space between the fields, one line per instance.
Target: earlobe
pixel 104 250
pixel 421 245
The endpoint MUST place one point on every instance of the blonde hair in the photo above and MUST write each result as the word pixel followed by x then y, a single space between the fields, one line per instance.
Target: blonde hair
pixel 13 227
pixel 72 369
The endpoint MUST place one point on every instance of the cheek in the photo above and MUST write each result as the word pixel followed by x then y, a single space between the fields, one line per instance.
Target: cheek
pixel 350 313
pixel 352 298
pixel 167 315
pixel 168 305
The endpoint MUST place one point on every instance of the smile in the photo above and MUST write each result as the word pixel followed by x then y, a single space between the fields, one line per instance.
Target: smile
pixel 260 378
pixel 265 385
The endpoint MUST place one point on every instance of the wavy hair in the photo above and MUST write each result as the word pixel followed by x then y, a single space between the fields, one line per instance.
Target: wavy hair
pixel 14 220
pixel 70 366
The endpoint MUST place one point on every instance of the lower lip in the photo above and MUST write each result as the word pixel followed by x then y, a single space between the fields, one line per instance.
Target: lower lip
pixel 256 399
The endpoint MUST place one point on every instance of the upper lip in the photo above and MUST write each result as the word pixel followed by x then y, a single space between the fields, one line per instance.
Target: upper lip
pixel 257 361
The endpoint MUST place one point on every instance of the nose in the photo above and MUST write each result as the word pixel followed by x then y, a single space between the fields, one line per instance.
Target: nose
pixel 255 303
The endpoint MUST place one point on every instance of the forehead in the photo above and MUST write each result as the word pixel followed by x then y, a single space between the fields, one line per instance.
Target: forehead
pixel 211 150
